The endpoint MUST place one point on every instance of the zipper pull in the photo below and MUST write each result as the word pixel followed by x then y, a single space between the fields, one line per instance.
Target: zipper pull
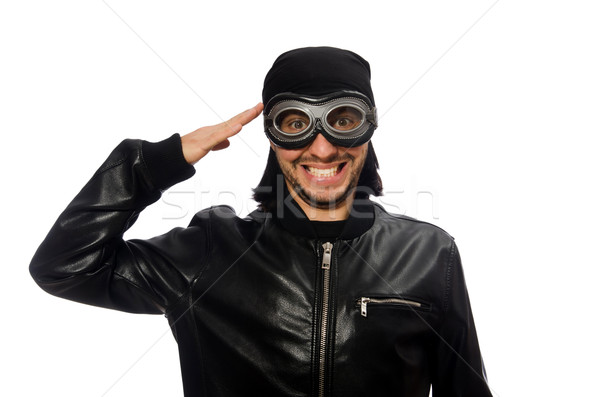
pixel 327 247
pixel 363 306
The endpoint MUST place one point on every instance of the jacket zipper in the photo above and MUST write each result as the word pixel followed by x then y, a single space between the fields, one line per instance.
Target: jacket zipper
pixel 393 301
pixel 326 268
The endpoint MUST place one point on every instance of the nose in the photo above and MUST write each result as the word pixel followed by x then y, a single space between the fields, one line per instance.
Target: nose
pixel 322 148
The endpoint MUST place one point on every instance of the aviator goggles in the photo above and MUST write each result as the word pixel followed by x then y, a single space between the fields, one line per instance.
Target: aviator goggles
pixel 345 118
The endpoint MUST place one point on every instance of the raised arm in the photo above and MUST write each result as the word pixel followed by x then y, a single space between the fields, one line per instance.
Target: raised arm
pixel 84 257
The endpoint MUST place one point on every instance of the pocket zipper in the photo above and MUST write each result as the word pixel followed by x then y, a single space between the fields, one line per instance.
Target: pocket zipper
pixel 394 301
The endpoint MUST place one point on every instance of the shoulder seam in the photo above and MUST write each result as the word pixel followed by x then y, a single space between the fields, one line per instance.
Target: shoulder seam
pixel 449 269
pixel 409 219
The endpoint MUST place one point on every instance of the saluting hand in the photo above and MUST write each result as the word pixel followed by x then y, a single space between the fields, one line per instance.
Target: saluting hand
pixel 198 143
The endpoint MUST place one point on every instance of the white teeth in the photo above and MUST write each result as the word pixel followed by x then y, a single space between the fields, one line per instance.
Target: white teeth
pixel 323 173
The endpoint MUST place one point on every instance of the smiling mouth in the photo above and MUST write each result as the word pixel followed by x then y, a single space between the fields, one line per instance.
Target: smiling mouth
pixel 324 172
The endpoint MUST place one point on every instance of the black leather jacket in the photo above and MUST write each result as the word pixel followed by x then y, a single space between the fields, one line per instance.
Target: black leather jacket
pixel 261 306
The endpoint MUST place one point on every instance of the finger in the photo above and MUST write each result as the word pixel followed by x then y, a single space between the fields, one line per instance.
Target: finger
pixel 221 132
pixel 246 116
pixel 234 125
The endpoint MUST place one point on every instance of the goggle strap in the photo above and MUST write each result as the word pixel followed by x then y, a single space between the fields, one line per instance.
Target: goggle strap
pixel 372 116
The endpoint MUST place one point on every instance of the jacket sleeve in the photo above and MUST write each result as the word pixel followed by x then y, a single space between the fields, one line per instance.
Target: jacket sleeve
pixel 459 367
pixel 84 257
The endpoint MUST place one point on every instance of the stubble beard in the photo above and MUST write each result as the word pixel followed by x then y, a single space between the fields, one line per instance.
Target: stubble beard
pixel 320 202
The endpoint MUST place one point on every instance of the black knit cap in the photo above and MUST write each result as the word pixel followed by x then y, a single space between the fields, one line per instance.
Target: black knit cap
pixel 318 71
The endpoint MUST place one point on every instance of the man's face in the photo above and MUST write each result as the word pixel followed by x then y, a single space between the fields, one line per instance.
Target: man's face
pixel 323 175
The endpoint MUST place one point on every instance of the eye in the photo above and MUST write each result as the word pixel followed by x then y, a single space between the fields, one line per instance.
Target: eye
pixel 292 121
pixel 343 123
pixel 344 118
pixel 297 125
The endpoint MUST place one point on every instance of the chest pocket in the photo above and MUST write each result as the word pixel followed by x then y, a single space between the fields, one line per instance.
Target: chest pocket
pixel 365 303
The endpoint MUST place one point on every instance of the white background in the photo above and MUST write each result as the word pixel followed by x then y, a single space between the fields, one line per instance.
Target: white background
pixel 489 109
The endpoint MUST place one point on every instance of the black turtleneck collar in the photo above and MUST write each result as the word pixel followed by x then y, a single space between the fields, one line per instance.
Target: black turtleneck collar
pixel 292 218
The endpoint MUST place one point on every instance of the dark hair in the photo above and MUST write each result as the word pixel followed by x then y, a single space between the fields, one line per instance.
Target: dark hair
pixel 265 194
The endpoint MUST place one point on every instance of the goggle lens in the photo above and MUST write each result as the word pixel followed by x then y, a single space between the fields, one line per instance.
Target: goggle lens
pixel 345 118
pixel 292 121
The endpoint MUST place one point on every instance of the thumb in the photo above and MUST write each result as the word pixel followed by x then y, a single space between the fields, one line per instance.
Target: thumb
pixel 221 145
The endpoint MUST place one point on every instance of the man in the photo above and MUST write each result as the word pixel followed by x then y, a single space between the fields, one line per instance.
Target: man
pixel 318 292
